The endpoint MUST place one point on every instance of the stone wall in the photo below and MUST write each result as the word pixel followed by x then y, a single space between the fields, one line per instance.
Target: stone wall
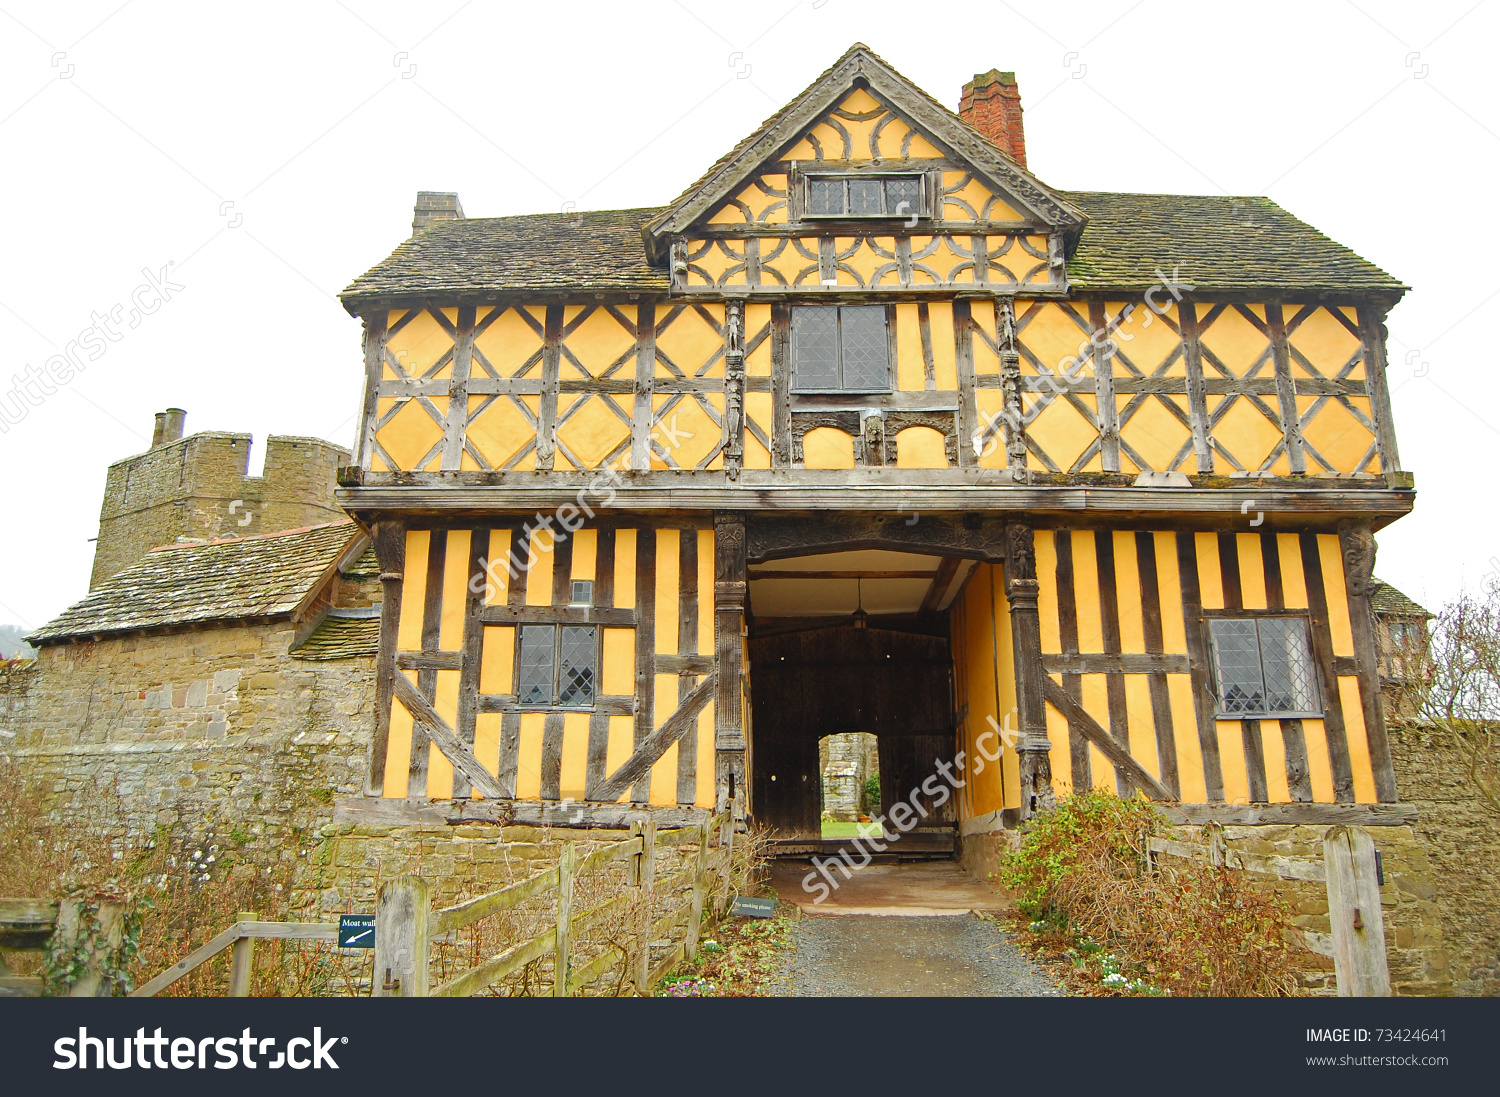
pixel 187 488
pixel 846 760
pixel 201 731
pixel 1462 835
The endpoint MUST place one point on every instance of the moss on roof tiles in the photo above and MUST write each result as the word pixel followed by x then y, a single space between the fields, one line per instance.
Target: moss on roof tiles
pixel 340 638
pixel 220 581
pixel 1217 243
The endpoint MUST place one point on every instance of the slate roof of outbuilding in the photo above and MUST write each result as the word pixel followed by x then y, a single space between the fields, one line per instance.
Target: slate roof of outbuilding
pixel 340 638
pixel 1388 601
pixel 235 579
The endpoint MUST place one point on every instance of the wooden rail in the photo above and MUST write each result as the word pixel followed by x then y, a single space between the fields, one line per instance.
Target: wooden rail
pixel 1348 870
pixel 405 923
pixel 241 937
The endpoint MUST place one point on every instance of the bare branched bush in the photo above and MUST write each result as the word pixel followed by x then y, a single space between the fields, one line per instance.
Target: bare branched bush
pixel 1186 927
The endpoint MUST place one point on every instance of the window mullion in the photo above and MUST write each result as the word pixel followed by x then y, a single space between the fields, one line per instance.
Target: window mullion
pixel 557 665
pixel 838 328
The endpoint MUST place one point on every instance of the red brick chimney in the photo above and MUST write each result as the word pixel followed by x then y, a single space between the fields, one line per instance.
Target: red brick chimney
pixel 991 103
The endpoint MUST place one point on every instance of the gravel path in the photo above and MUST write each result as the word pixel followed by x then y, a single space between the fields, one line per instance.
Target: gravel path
pixel 896 957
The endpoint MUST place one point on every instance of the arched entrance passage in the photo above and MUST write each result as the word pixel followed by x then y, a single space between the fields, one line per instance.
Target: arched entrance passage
pixel 806 684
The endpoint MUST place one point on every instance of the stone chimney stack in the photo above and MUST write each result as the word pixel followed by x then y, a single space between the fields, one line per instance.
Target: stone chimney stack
pixel 169 426
pixel 433 205
pixel 991 103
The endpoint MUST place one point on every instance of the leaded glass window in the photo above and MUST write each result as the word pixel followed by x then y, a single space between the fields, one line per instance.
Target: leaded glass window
pixel 840 348
pixel 865 195
pixel 1263 667
pixel 557 666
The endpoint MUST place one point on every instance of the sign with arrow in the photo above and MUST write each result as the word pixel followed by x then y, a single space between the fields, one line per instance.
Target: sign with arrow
pixel 356 931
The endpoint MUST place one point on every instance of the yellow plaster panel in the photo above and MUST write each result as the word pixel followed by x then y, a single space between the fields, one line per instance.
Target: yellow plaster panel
pixel 617 678
pixel 791 264
pixel 986 361
pixel 500 431
pixel 1273 746
pixel 757 411
pixel 487 744
pixel 497 660
pixel 1146 340
pixel 688 433
pixel 497 571
pixel 1063 433
pixel 1252 571
pixel 410 435
pixel 921 448
pixel 398 749
pixel 668 546
pixel 1169 585
pixel 439 769
pixel 1096 703
pixel 861 101
pixel 420 344
pixel 1359 742
pixel 972 201
pixel 1210 578
pixel 990 403
pixel 621 746
pixel 529 758
pixel 866 261
pixel 598 343
pixel 664 773
pixel 850 276
pixel 705 592
pixel 827 448
pixel 1250 436
pixel 1325 342
pixel 1338 597
pixel 575 749
pixel 1293 582
pixel 757 361
pixel 1128 595
pixel 1337 436
pixel 413 590
pixel 455 590
pixel 1142 723
pixel 690 341
pixel 705 792
pixel 1156 434
pixel 1237 345
pixel 944 363
pixel 911 373
pixel 1185 732
pixel 1060 756
pixel 1055 337
pixel 593 431
pixel 625 540
pixel 539 575
pixel 1045 544
pixel 1086 591
pixel 1232 759
pixel 509 341
pixel 1319 769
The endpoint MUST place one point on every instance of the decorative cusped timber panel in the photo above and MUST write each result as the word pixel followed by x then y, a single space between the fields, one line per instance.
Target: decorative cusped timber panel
pixel 457 725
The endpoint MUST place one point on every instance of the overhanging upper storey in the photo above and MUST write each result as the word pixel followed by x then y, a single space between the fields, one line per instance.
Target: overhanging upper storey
pixel 865 183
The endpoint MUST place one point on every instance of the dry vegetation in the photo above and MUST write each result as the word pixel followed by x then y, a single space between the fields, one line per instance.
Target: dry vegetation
pixel 1185 928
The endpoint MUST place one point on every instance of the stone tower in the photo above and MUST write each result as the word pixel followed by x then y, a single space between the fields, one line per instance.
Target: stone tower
pixel 196 488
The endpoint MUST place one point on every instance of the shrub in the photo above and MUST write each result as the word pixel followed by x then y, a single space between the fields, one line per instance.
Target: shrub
pixel 1186 926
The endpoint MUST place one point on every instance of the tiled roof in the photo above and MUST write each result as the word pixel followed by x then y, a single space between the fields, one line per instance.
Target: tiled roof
pixel 340 638
pixel 266 576
pixel 1388 601
pixel 1217 244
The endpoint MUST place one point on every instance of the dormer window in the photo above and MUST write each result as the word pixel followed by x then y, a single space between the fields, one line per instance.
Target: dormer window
pixel 864 195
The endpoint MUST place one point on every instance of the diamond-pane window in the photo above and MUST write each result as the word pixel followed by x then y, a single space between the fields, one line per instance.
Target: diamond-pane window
pixel 1263 667
pixel 576 666
pixel 536 676
pixel 840 348
pixel 557 666
pixel 865 195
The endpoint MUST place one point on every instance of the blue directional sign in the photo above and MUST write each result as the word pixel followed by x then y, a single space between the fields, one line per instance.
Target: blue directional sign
pixel 356 931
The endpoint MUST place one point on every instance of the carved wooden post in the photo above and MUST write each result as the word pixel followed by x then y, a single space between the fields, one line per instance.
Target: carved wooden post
pixel 1354 914
pixel 1032 747
pixel 566 867
pixel 242 961
pixel 729 611
pixel 1357 542
pixel 390 551
pixel 1010 390
pixel 734 389
pixel 401 913
pixel 374 374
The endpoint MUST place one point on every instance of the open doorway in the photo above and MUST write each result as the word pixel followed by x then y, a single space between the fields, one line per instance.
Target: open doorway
pixel 849 765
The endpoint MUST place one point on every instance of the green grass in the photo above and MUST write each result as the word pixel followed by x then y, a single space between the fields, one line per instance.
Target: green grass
pixel 849 830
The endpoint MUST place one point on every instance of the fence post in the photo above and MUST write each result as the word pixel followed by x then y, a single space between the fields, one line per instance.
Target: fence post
pixel 242 958
pixel 71 926
pixel 566 867
pixel 1354 913
pixel 401 939
pixel 700 869
pixel 648 892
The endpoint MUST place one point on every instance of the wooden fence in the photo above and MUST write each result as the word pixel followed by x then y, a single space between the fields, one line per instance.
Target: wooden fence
pixel 406 924
pixel 87 931
pixel 1351 875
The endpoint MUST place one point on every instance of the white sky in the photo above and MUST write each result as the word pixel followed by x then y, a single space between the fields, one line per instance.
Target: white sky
pixel 273 153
